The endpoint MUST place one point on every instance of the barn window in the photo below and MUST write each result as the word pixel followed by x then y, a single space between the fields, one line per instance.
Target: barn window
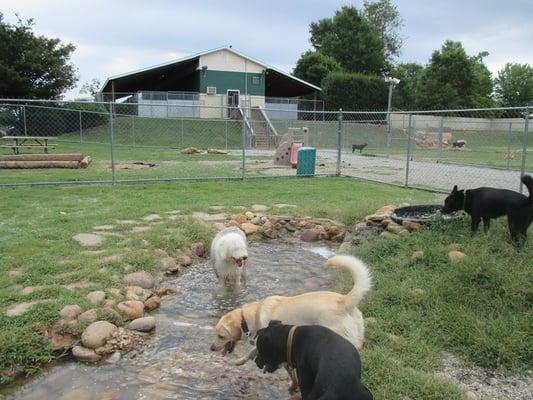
pixel 256 80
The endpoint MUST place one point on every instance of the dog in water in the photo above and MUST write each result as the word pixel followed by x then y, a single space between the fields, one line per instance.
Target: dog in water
pixel 336 311
pixel 487 203
pixel 327 365
pixel 229 252
pixel 359 147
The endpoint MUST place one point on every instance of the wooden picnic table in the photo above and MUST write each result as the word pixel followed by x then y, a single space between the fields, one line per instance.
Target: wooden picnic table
pixel 18 142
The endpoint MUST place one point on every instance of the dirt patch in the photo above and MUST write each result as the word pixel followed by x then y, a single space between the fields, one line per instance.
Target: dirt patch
pixel 134 165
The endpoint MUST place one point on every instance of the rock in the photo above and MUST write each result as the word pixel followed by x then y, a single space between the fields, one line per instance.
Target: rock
pixel 70 311
pixel 84 354
pixel 160 253
pixel 115 293
pixel 411 226
pixel 393 227
pixel 152 303
pixel 88 239
pixel 256 221
pixel 249 215
pixel 259 208
pixel 121 339
pixel 239 218
pixel 290 228
pixel 269 233
pixel 417 255
pixel 198 249
pixel 166 263
pixel 232 222
pixel 165 291
pixel 152 217
pixel 190 150
pixel 470 395
pixel 249 229
pixel 387 235
pixel 381 214
pixel 142 278
pixel 456 256
pixel 96 334
pixel 113 316
pixel 109 303
pixel 386 222
pixel 175 270
pixel 88 316
pixel 345 248
pixel 131 309
pixel 76 394
pixel 113 358
pixel 137 293
pixel 309 235
pixel 145 324
pixel 208 218
pixel 96 298
pixel 184 260
pixel 333 231
pixel 281 205
pixel 18 309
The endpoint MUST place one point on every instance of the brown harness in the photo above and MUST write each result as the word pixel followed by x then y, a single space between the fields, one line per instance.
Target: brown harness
pixel 290 339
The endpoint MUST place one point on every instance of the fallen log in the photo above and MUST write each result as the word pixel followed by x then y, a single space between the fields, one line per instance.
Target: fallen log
pixel 40 164
pixel 43 157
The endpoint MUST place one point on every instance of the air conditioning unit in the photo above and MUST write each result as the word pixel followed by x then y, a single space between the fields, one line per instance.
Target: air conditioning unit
pixel 211 90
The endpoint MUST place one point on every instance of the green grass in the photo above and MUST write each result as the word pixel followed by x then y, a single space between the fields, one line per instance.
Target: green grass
pixel 478 310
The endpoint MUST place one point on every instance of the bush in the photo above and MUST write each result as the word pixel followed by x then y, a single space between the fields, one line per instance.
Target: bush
pixel 354 91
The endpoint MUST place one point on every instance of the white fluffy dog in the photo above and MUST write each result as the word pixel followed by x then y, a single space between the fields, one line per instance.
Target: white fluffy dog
pixel 229 251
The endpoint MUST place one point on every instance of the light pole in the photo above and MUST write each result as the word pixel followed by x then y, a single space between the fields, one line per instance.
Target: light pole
pixel 392 83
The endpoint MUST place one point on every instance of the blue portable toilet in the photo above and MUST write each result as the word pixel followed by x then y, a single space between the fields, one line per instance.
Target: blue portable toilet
pixel 306 161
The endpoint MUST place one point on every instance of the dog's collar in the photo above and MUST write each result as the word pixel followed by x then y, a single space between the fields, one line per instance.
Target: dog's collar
pixel 290 340
pixel 244 325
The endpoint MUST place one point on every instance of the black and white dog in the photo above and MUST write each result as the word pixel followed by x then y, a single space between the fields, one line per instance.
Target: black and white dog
pixel 328 367
pixel 359 147
pixel 487 203
pixel 459 144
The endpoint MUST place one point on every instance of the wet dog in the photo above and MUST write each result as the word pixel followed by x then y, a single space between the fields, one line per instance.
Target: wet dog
pixel 229 252
pixel 333 310
pixel 359 147
pixel 327 365
pixel 487 203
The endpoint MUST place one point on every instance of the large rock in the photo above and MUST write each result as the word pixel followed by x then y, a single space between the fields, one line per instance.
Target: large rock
pixel 145 324
pixel 249 228
pixel 166 263
pixel 96 298
pixel 456 256
pixel 198 249
pixel 84 354
pixel 137 293
pixel 184 260
pixel 411 226
pixel 88 316
pixel 131 309
pixel 142 278
pixel 393 227
pixel 152 303
pixel 239 218
pixel 96 334
pixel 309 235
pixel 70 311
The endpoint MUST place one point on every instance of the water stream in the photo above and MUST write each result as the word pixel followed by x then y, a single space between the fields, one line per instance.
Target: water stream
pixel 176 362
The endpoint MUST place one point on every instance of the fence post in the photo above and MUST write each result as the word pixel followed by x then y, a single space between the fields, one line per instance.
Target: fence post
pixel 112 142
pixel 441 134
pixel 243 144
pixel 524 149
pixel 409 133
pixel 81 132
pixel 339 141
pixel 25 125
pixel 509 133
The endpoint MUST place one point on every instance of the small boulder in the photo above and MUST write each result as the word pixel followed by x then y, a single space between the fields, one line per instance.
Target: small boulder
pixel 259 208
pixel 249 228
pixel 115 293
pixel 411 226
pixel 456 256
pixel 417 255
pixel 309 235
pixel 145 324
pixel 184 260
pixel 152 303
pixel 387 235
pixel 96 298
pixel 249 215
pixel 131 309
pixel 142 278
pixel 239 218
pixel 333 230
pixel 137 293
pixel 96 334
pixel 198 249
pixel 269 233
pixel 84 354
pixel 166 263
pixel 88 316
pixel 165 291
pixel 70 311
pixel 113 316
pixel 393 227
pixel 345 248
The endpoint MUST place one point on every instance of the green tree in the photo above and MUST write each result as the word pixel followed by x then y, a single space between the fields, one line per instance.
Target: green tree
pixel 454 79
pixel 314 66
pixel 92 87
pixel 514 85
pixel 348 38
pixel 386 20
pixel 404 95
pixel 33 66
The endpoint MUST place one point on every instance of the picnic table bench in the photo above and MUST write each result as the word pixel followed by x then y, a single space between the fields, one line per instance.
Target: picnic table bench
pixel 19 142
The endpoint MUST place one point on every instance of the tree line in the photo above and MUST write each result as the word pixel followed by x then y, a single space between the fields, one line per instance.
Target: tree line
pixel 355 49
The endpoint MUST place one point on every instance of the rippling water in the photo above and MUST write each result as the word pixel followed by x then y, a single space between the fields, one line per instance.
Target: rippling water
pixel 176 362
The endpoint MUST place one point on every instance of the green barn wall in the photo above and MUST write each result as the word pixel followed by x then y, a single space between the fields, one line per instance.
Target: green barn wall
pixel 224 80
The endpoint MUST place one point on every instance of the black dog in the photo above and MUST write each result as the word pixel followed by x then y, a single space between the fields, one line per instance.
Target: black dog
pixel 327 365
pixel 359 147
pixel 486 203
pixel 459 144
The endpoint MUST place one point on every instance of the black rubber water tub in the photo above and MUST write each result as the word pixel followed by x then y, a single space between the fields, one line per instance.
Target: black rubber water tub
pixel 422 214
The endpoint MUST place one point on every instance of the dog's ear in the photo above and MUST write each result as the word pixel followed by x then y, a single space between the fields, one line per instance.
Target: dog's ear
pixel 274 322
pixel 454 190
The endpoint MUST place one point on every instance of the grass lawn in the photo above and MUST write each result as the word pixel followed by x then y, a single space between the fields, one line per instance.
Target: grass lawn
pixel 477 310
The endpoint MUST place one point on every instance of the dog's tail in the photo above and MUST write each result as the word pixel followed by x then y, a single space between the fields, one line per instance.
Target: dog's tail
pixel 528 181
pixel 362 281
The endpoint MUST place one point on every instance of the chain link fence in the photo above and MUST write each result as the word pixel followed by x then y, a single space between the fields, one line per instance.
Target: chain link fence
pixel 424 149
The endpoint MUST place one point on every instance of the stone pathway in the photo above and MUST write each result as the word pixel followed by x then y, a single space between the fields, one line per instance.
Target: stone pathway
pixel 20 308
pixel 88 239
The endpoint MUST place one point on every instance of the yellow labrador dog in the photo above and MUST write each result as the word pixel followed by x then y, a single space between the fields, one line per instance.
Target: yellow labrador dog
pixel 332 310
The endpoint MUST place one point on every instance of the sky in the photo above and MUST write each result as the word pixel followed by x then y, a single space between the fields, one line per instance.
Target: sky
pixel 113 37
